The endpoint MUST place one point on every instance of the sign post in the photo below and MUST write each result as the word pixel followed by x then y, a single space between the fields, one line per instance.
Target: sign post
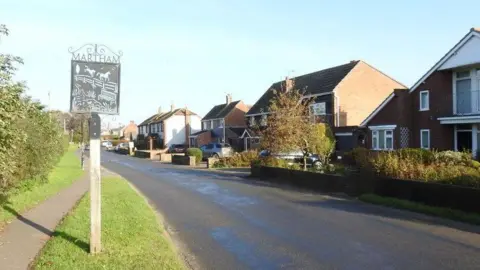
pixel 95 89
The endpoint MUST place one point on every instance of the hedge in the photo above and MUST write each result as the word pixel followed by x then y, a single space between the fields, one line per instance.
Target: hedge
pixel 195 152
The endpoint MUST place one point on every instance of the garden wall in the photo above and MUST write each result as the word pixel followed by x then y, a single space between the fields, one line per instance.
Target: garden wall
pixel 183 160
pixel 461 198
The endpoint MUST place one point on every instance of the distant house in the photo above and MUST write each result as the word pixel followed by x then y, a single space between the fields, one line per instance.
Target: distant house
pixel 343 96
pixel 130 131
pixel 172 127
pixel 116 131
pixel 222 122
pixel 440 111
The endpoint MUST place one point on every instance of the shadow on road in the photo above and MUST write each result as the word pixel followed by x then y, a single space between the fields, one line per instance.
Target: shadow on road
pixel 356 207
pixel 74 240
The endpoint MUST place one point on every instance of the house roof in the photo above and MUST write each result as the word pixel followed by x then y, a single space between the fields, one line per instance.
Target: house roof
pixel 220 111
pixel 319 82
pixel 199 132
pixel 238 131
pixel 157 118
pixel 473 32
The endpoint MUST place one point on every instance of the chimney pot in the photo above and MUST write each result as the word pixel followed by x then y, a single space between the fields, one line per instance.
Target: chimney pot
pixel 172 107
pixel 228 99
pixel 160 110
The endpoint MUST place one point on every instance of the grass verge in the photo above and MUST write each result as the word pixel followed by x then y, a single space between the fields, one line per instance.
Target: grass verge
pixel 131 235
pixel 63 175
pixel 422 208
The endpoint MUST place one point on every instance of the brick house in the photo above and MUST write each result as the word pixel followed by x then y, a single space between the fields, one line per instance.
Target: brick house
pixel 440 111
pixel 343 96
pixel 171 127
pixel 130 131
pixel 227 118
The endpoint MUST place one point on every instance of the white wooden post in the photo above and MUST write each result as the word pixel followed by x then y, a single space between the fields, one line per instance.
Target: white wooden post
pixel 95 185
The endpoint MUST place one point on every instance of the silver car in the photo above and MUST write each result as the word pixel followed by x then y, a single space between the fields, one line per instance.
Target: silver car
pixel 217 150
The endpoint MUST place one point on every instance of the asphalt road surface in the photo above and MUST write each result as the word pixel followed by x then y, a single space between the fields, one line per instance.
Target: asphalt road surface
pixel 223 221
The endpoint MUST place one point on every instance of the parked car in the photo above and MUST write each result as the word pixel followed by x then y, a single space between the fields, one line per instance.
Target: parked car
pixel 177 148
pixel 294 157
pixel 217 150
pixel 107 145
pixel 121 146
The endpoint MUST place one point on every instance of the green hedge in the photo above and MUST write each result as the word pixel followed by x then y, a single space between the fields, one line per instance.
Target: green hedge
pixel 195 152
pixel 31 138
pixel 242 159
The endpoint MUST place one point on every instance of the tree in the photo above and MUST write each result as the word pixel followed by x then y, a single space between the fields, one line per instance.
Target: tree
pixel 288 127
pixel 322 142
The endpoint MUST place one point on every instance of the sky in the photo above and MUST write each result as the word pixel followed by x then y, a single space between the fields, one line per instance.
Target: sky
pixel 193 53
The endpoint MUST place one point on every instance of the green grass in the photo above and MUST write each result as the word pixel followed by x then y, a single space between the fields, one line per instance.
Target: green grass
pixel 422 208
pixel 63 175
pixel 132 237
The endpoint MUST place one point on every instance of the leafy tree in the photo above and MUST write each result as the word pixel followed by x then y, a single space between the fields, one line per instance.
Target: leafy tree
pixel 322 142
pixel 288 126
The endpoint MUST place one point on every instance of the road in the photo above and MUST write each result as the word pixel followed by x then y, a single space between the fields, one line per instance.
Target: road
pixel 229 222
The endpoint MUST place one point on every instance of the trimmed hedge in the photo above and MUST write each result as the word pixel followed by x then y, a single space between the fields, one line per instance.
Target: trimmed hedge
pixel 195 152
pixel 243 159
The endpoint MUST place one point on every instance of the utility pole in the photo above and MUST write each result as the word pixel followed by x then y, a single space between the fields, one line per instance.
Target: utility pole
pixel 95 185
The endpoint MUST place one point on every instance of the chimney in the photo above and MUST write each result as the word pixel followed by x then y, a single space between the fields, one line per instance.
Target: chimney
pixel 228 99
pixel 187 127
pixel 172 107
pixel 288 84
pixel 160 110
pixel 132 122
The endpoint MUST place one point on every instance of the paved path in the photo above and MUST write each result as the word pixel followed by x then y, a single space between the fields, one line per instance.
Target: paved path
pixel 22 239
pixel 228 222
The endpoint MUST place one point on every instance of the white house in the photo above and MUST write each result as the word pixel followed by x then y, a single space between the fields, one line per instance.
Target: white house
pixel 172 127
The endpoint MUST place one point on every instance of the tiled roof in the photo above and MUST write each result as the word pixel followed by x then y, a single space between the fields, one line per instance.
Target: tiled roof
pixel 318 82
pixel 220 111
pixel 157 118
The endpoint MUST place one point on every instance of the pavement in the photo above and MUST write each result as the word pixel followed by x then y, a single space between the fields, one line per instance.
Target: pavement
pixel 23 238
pixel 226 221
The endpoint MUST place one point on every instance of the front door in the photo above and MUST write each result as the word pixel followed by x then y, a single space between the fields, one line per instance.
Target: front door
pixel 464 141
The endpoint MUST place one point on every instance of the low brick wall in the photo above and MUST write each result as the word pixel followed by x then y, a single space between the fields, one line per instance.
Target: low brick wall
pixel 183 160
pixel 461 198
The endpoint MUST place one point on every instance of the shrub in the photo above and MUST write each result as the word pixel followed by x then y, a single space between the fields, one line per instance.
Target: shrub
pixel 243 159
pixel 447 167
pixel 195 152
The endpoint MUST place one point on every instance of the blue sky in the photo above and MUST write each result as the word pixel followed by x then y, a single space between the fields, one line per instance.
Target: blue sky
pixel 194 52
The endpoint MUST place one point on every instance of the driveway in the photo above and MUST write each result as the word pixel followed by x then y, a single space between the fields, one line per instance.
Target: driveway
pixel 225 221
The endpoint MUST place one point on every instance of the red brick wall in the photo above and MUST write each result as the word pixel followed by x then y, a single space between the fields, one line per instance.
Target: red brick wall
pixel 404 111
pixel 361 91
pixel 236 118
pixel 203 138
pixel 439 85
pixel 131 128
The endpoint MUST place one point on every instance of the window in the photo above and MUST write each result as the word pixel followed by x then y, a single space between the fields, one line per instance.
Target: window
pixel 425 138
pixel 263 120
pixel 161 126
pixel 382 138
pixel 424 100
pixel 318 109
pixel 252 121
pixel 463 92
pixel 204 125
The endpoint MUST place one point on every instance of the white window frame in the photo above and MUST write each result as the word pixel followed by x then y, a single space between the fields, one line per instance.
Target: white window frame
pixel 425 107
pixel 474 77
pixel 375 134
pixel 421 138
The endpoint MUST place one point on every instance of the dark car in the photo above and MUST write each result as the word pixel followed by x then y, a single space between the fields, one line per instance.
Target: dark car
pixel 177 148
pixel 294 157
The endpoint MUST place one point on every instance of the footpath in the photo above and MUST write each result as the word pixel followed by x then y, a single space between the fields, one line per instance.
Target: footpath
pixel 23 239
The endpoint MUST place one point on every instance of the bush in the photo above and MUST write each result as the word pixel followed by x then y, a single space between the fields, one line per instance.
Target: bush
pixel 195 152
pixel 447 167
pixel 243 159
